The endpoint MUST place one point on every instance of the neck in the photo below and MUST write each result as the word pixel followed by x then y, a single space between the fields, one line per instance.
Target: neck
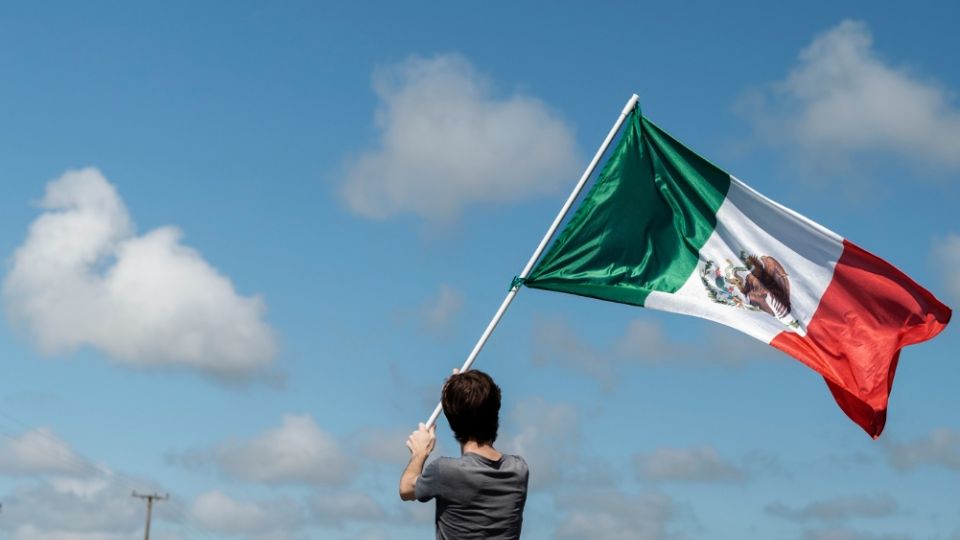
pixel 484 449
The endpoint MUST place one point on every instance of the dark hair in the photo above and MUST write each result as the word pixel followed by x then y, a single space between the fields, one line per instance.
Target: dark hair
pixel 471 403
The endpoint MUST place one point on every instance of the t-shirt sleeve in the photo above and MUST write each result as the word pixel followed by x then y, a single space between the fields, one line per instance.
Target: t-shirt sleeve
pixel 428 485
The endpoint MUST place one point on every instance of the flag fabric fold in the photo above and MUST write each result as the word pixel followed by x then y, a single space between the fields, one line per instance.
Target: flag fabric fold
pixel 663 228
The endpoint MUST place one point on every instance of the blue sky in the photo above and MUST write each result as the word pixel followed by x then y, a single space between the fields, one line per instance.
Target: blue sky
pixel 244 244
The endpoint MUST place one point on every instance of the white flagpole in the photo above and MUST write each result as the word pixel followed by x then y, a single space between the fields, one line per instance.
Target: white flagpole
pixel 543 244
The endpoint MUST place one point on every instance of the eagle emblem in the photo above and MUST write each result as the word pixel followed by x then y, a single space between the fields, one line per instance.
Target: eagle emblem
pixel 755 283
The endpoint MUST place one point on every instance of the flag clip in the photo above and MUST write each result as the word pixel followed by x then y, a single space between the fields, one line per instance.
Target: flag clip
pixel 516 283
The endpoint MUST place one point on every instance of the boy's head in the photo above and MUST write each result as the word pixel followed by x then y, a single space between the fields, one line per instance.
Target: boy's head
pixel 471 403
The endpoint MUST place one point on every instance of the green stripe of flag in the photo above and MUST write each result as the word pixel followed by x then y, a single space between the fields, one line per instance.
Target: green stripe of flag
pixel 640 227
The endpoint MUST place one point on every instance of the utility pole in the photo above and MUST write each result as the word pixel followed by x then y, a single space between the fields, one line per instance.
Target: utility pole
pixel 149 498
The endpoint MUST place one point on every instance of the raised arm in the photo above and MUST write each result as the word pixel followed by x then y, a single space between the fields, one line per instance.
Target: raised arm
pixel 420 443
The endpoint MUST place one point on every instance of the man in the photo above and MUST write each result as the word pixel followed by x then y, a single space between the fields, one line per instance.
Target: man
pixel 480 495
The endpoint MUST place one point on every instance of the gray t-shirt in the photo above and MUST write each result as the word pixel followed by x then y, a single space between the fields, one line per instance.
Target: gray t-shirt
pixel 477 498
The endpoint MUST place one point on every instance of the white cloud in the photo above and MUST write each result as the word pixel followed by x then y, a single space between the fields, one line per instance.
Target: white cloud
pixel 941 447
pixel 420 514
pixel 383 445
pixel 372 534
pixel 99 508
pixel 843 533
pixel 41 451
pixel 447 140
pixel 546 435
pixel 557 343
pixel 274 519
pixel 283 518
pixel 340 507
pixel 643 343
pixel 614 515
pixel 702 464
pixel 837 509
pixel 439 312
pixel 843 98
pixel 295 452
pixel 83 277
pixel 70 498
pixel 725 347
pixel 30 532
pixel 946 255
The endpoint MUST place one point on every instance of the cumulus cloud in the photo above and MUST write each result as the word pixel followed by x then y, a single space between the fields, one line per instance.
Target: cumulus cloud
pixel 83 277
pixel 273 519
pixel 643 343
pixel 438 313
pixel 340 507
pixel 447 140
pixel 372 534
pixel 283 518
pixel 557 343
pixel 837 509
pixel 295 452
pixel 702 464
pixel 68 497
pixel 940 448
pixel 385 445
pixel 546 435
pixel 946 255
pixel 843 533
pixel 96 508
pixel 41 451
pixel 614 515
pixel 843 98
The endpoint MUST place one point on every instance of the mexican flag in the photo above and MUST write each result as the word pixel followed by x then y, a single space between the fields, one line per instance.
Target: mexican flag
pixel 664 228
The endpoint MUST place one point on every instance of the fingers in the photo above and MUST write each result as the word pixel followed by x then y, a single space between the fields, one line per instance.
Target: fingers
pixel 456 371
pixel 433 430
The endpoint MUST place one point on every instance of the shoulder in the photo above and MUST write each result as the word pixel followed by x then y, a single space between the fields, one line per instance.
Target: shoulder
pixel 515 458
pixel 439 465
pixel 517 462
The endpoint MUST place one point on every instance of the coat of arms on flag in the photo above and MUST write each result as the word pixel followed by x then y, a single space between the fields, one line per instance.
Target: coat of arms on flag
pixel 757 283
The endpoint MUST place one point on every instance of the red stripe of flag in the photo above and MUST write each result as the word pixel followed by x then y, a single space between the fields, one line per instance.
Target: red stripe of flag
pixel 869 312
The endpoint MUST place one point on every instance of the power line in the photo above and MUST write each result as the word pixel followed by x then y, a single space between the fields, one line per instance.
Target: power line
pixel 149 498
